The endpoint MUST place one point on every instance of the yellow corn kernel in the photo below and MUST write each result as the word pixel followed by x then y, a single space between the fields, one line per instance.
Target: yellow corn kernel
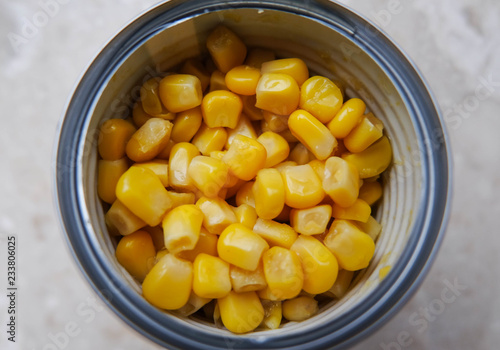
pixel 277 93
pixel 318 167
pixel 244 127
pixel 275 122
pixel 311 221
pixel 341 181
pixel 165 152
pixel 211 277
pixel 246 281
pixel 269 193
pixel 257 56
pixel 342 283
pixel 221 108
pixel 249 108
pixel 245 195
pixel 321 97
pixel 232 180
pixel 121 220
pixel 168 284
pixel 383 272
pixel 277 149
pixel 240 246
pixel 194 304
pixel 160 254
pixel 159 167
pixel 196 68
pixel 274 233
pixel 300 308
pixel 358 211
pixel 142 192
pixel 266 294
pixel 245 157
pixel 373 160
pixel 217 214
pixel 186 124
pixel 226 48
pixel 283 271
pixel 241 312
pixel 139 116
pixel 150 99
pixel 217 81
pixel 109 171
pixel 318 263
pixel 180 198
pixel 243 80
pixel 136 253
pixel 156 234
pixel 302 186
pixel 283 165
pixel 147 142
pixel 347 118
pixel 288 136
pixel 284 216
pixel 180 92
pixel 353 248
pixel 272 314
pixel 208 174
pixel 207 244
pixel 371 227
pixel 246 215
pixel 300 154
pixel 364 134
pixel 180 157
pixel 113 137
pixel 294 67
pixel 312 133
pixel 370 192
pixel 181 228
pixel 208 140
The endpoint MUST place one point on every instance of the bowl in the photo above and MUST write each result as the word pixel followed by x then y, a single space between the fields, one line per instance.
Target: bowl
pixel 333 41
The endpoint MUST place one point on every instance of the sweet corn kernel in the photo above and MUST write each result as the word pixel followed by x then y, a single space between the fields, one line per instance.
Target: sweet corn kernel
pixel 241 312
pixel 221 108
pixel 218 81
pixel 277 93
pixel 244 127
pixel 156 234
pixel 181 228
pixel 226 48
pixel 149 140
pixel 300 154
pixel 269 193
pixel 321 97
pixel 275 122
pixel 109 171
pixel 136 253
pixel 294 67
pixel 180 157
pixel 150 99
pixel 139 116
pixel 283 165
pixel 342 283
pixel 277 149
pixel 159 167
pixel 186 125
pixel 245 157
pixel 217 214
pixel 196 68
pixel 232 180
pixel 142 192
pixel 211 277
pixel 311 221
pixel 240 246
pixel 113 137
pixel 370 192
pixel 300 308
pixel 272 314
pixel 246 281
pixel 267 295
pixel 208 140
pixel 312 133
pixel 353 248
pixel 274 233
pixel 193 304
pixel 347 118
pixel 243 80
pixel 319 168
pixel 180 198
pixel 283 272
pixel 245 195
pixel 121 220
pixel 165 153
pixel 288 136
pixel 302 186
pixel 257 56
pixel 341 181
pixel 364 134
pixel 246 215
pixel 208 174
pixel 207 244
pixel 318 263
pixel 373 160
pixel 160 254
pixel 371 227
pixel 249 108
pixel 168 284
pixel 358 211
pixel 180 92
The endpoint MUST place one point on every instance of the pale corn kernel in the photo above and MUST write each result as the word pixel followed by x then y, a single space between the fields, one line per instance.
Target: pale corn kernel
pixel 149 140
pixel 217 81
pixel 246 215
pixel 157 166
pixel 294 67
pixel 302 186
pixel 277 93
pixel 311 221
pixel 180 198
pixel 245 195
pixel 241 312
pixel 245 157
pixel 180 92
pixel 226 48
pixel 266 294
pixel 139 116
pixel 113 137
pixel 246 281
pixel 257 56
pixel 371 227
pixel 275 122
pixel 283 165
pixel 142 192
pixel 284 216
pixel 194 304
pixel 232 180
pixel 342 283
pixel 249 108
pixel 300 154
pixel 341 181
pixel 347 118
pixel 181 156
pixel 277 149
pixel 221 108
pixel 288 136
pixel 364 134
pixel 208 174
pixel 272 314
pixel 244 127
pixel 243 80
pixel 136 253
pixel 150 99
pixel 119 218
pixel 358 211
pixel 156 234
pixel 186 125
pixel 312 133
pixel 373 160
pixel 321 97
pixel 217 214
pixel 300 308
pixel 181 228
pixel 319 168
pixel 383 272
pixel 370 192
pixel 108 174
pixel 211 277
pixel 165 152
pixel 210 139
pixel 353 248
pixel 283 272
pixel 240 246
pixel 275 233
pixel 269 193
pixel 168 284
pixel 195 67
pixel 207 244
pixel 318 263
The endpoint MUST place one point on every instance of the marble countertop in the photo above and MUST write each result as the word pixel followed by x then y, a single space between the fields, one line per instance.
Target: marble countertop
pixel 454 43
